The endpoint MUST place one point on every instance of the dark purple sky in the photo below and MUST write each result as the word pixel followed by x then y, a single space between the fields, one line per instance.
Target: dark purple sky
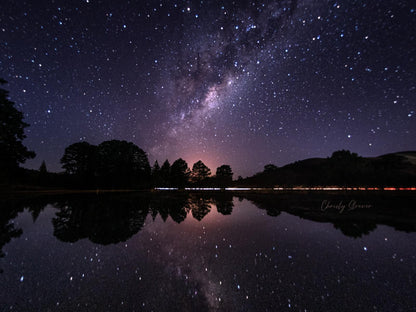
pixel 245 84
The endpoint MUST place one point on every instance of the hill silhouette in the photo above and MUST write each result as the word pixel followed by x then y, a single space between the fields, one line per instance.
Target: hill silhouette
pixel 343 168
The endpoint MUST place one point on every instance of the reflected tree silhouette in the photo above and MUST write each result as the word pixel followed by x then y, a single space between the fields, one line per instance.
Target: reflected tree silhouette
pixel 113 218
pixel 224 203
pixel 108 220
pixel 200 207
pixel 271 205
pixel 9 211
pixel 355 229
pixel 103 220
pixel 355 223
pixel 7 228
pixel 177 207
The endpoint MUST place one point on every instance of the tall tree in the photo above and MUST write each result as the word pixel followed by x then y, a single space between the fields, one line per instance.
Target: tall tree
pixel 43 174
pixel 155 168
pixel 12 126
pixel 200 172
pixel 156 179
pixel 224 175
pixel 165 173
pixel 122 163
pixel 42 168
pixel 179 173
pixel 80 159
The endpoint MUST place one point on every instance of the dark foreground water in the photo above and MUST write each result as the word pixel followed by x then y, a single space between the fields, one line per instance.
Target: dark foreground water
pixel 205 252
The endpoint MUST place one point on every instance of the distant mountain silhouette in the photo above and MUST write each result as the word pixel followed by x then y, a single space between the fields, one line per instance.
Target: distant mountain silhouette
pixel 343 168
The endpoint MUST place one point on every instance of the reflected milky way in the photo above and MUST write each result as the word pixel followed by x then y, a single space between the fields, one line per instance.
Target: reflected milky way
pixel 174 252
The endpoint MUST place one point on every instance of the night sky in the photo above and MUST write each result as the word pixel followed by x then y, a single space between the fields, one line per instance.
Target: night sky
pixel 244 83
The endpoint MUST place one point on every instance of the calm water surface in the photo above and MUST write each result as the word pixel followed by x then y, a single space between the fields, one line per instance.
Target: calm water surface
pixel 206 253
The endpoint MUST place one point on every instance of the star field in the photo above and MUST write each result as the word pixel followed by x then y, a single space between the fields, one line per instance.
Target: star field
pixel 245 83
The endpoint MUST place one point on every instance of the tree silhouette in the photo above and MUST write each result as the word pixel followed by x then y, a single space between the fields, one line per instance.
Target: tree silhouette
pixel 270 168
pixel 345 168
pixel 8 228
pixel 122 163
pixel 156 178
pixel 13 152
pixel 113 163
pixel 224 203
pixel 200 172
pixel 199 207
pixel 224 175
pixel 177 207
pixel 43 174
pixel 155 168
pixel 355 229
pixel 179 173
pixel 106 220
pixel 80 160
pixel 344 155
pixel 165 173
pixel 42 168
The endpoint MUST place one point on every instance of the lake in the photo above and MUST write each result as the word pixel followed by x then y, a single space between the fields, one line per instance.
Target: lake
pixel 208 251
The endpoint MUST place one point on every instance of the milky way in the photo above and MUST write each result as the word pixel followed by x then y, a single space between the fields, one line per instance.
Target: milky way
pixel 245 83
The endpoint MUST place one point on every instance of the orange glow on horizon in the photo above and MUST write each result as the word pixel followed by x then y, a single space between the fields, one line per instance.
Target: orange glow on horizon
pixel 212 162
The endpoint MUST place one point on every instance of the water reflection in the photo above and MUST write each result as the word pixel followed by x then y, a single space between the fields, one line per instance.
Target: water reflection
pixel 110 219
pixel 113 219
pixel 9 211
pixel 102 220
pixel 206 252
pixel 7 229
pixel 353 215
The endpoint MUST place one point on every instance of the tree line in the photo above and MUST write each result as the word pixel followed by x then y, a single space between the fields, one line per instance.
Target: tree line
pixel 118 163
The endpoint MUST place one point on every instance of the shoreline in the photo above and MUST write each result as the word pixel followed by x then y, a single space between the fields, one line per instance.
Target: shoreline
pixel 4 193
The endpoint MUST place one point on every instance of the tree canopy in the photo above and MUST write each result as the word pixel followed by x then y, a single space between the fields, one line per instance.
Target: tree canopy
pixel 165 173
pixel 200 172
pixel 224 175
pixel 270 168
pixel 179 173
pixel 344 155
pixel 111 163
pixel 12 126
pixel 122 163
pixel 80 159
